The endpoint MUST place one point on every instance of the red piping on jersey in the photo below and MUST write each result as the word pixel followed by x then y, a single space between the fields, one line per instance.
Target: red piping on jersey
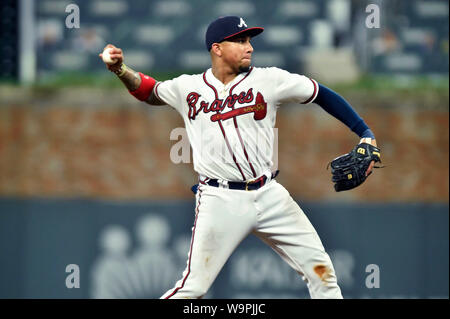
pixel 232 88
pixel 230 150
pixel 221 127
pixel 190 250
pixel 236 126
pixel 313 96
pixel 211 86
pixel 156 91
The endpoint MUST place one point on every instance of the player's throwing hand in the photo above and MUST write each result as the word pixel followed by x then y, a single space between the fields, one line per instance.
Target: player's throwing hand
pixel 115 54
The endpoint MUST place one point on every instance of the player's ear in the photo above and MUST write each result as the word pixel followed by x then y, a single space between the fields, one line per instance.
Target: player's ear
pixel 216 49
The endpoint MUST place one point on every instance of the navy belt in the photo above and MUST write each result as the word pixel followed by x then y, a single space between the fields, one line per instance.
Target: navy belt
pixel 247 186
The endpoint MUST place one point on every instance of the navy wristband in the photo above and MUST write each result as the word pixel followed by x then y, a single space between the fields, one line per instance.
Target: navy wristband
pixel 368 133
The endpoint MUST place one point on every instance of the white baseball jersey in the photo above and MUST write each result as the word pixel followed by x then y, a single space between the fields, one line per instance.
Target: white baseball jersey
pixel 231 131
pixel 230 127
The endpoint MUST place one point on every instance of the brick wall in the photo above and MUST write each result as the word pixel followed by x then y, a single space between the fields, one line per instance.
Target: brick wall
pixel 74 144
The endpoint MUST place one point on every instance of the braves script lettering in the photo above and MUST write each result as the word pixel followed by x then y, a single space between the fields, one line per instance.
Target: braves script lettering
pixel 218 105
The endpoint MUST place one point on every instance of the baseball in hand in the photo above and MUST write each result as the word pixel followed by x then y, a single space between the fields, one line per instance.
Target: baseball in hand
pixel 106 56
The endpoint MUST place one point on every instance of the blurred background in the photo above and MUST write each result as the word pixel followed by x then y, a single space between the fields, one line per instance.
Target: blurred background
pixel 86 176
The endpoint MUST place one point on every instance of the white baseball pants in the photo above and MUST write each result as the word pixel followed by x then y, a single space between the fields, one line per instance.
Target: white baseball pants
pixel 224 217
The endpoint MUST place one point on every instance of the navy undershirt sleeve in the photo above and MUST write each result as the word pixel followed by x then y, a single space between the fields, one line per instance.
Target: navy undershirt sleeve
pixel 338 107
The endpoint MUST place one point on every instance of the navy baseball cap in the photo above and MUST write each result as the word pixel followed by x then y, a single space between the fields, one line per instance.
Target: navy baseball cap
pixel 226 27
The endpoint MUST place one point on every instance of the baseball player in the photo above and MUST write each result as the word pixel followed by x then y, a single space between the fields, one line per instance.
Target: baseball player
pixel 229 113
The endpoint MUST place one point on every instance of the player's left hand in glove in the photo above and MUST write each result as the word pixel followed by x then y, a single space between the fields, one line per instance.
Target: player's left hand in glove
pixel 351 170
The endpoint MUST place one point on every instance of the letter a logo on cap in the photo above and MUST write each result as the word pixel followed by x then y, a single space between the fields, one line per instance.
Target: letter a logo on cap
pixel 242 23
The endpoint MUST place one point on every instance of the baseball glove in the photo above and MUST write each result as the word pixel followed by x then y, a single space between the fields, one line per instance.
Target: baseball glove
pixel 349 170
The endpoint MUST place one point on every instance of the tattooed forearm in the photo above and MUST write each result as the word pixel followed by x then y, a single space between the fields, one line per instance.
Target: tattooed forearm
pixel 131 79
